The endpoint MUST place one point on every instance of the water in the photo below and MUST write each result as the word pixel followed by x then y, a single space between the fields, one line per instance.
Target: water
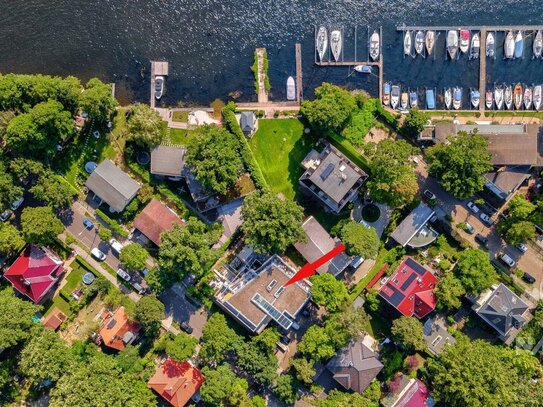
pixel 210 43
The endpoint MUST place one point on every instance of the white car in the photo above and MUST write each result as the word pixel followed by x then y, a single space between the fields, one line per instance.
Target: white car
pixel 98 254
pixel 485 218
pixel 115 245
pixel 15 205
pixel 4 216
pixel 474 208
pixel 522 247
pixel 470 229
pixel 123 274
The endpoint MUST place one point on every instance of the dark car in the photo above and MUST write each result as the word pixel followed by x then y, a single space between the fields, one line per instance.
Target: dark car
pixel 429 194
pixel 528 278
pixel 186 327
pixel 483 241
pixel 88 223
pixel 285 339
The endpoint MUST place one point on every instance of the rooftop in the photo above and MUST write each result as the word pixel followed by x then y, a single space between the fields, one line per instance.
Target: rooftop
pixel 246 121
pixel 413 231
pixel 54 320
pixel 168 161
pixel 436 335
pixel 117 330
pixel 155 219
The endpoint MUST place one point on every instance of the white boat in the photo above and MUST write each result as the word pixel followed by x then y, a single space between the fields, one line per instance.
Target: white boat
pixel 488 99
pixel 498 97
pixel 429 41
pixel 490 45
pixel 508 97
pixel 475 46
pixel 374 46
pixel 404 100
pixel 159 86
pixel 419 42
pixel 457 98
pixel 291 88
pixel 335 44
pixel 321 42
pixel 475 97
pixel 528 97
pixel 386 93
pixel 407 43
pixel 394 96
pixel 538 45
pixel 452 43
pixel 448 98
pixel 464 41
pixel 537 97
pixel 362 68
pixel 509 45
pixel 519 44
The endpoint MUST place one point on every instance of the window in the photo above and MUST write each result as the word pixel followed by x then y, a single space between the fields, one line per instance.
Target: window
pixel 279 292
pixel 271 285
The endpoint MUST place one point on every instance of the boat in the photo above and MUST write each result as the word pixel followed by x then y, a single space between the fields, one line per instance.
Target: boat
pixel 386 94
pixel 488 99
pixel 508 97
pixel 464 41
pixel 335 44
pixel 159 86
pixel 291 88
pixel 407 43
pixel 394 96
pixel 430 99
pixel 498 97
pixel 452 43
pixel 321 42
pixel 475 46
pixel 538 44
pixel 363 68
pixel 374 46
pixel 528 98
pixel 490 45
pixel 404 100
pixel 419 42
pixel 537 97
pixel 509 45
pixel 448 98
pixel 429 41
pixel 475 97
pixel 517 96
pixel 519 44
pixel 457 98
pixel 413 99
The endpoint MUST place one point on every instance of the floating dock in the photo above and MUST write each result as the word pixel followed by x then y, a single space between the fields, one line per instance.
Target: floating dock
pixel 158 68
pixel 299 85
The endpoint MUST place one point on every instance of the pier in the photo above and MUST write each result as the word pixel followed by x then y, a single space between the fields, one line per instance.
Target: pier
pixel 472 28
pixel 261 76
pixel 158 68
pixel 299 88
pixel 482 71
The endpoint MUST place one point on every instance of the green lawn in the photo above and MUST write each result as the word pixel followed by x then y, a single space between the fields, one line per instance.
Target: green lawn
pixel 182 117
pixel 279 146
pixel 181 136
pixel 59 303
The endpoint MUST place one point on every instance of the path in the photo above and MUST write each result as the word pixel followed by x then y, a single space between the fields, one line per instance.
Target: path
pixel 261 75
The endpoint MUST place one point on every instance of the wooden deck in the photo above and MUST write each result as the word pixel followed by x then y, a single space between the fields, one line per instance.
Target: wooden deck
pixel 299 77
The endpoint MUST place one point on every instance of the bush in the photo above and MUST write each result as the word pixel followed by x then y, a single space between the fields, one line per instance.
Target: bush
pixel 70 239
pixel 104 233
pixel 114 225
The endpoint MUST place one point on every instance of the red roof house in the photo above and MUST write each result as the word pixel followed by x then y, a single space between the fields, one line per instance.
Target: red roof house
pixel 155 219
pixel 54 320
pixel 176 381
pixel 410 289
pixel 117 330
pixel 34 272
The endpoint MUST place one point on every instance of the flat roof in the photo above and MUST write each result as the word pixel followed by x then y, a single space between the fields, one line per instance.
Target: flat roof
pixel 412 224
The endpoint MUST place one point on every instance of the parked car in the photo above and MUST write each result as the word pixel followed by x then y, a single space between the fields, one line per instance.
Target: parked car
pixel 98 254
pixel 528 278
pixel 483 241
pixel 485 218
pixel 4 216
pixel 472 207
pixel 139 289
pixel 429 194
pixel 507 260
pixel 88 223
pixel 15 205
pixel 186 327
pixel 115 245
pixel 522 247
pixel 123 274
pixel 470 229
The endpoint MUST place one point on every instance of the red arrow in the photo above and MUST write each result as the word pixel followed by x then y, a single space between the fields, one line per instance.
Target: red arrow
pixel 311 268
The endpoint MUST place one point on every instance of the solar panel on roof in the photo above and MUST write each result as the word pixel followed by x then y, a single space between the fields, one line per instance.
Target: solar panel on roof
pixel 327 171
pixel 416 266
pixel 273 312
pixel 408 282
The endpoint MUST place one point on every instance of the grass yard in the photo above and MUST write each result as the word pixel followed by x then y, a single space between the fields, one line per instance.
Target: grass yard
pixel 181 136
pixel 59 303
pixel 180 116
pixel 279 146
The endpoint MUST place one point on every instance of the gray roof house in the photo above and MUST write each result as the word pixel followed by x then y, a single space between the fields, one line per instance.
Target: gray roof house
pixel 113 186
pixel 414 230
pixel 356 365
pixel 319 242
pixel 436 335
pixel 167 161
pixel 504 311
pixel 247 122
pixel 331 177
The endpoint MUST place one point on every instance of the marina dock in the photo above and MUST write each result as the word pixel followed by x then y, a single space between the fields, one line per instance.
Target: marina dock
pixel 158 68
pixel 482 70
pixel 299 85
pixel 261 76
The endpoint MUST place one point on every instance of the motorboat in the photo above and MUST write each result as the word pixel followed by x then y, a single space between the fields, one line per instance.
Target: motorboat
pixel 508 97
pixel 159 86
pixel 413 99
pixel 394 96
pixel 407 43
pixel 430 99
pixel 321 42
pixel 475 97
pixel 519 44
pixel 404 100
pixel 452 43
pixel 419 42
pixel 335 44
pixel 374 46
pixel 475 46
pixel 528 95
pixel 429 40
pixel 363 69
pixel 517 96
pixel 537 97
pixel 488 99
pixel 509 45
pixel 386 94
pixel 490 45
pixel 538 44
pixel 457 98
pixel 464 41
pixel 498 97
pixel 448 98
pixel 291 88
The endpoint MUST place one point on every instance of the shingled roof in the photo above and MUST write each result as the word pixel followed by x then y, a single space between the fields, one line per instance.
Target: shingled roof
pixel 168 161
pixel 155 219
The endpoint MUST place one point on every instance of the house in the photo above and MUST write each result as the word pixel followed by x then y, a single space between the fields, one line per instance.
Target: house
pixel 176 382
pixel 247 122
pixel 111 185
pixel 502 184
pixel 155 219
pixel 414 231
pixel 410 393
pixel 504 311
pixel 168 161
pixel 35 272
pixel 252 290
pixel 54 320
pixel 410 289
pixel 436 335
pixel 319 242
pixel 117 330
pixel 356 365
pixel 331 178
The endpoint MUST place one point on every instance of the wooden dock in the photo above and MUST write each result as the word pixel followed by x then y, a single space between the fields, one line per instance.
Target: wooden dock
pixel 158 68
pixel 299 85
pixel 472 28
pixel 482 71
pixel 261 76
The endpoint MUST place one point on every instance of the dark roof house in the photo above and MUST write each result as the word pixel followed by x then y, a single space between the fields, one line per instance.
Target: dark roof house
pixel 155 219
pixel 356 365
pixel 167 161
pixel 247 122
pixel 113 186
pixel 436 335
pixel 414 230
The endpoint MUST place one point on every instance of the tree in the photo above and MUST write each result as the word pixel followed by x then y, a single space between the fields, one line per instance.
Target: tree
pixel 26 169
pixel 52 191
pixel 287 388
pixel 304 370
pixel 133 256
pixel 461 164
pixel 373 300
pixel 270 224
pixel 328 291
pixel 129 360
pixel 22 135
pixel 97 100
pixel 52 120
pixel 393 179
pixel 408 331
pixel 182 347
pixel 9 192
pixel 345 325
pixel 360 240
pixel 267 339
pixel 10 239
pixel 338 398
pixel 149 312
pixel 217 387
pixel 520 232
pixel 145 126
pixel 316 344
pixel 40 225
pixel 448 292
pixel 5 118
pixel 331 109
pixel 15 318
pixel 414 123
pixel 104 233
pixel 520 208
pixel 217 339
pixel 260 366
pixel 475 271
pixel 214 157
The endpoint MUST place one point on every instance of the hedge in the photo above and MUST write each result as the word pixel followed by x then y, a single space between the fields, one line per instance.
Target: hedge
pixel 114 225
pixel 387 117
pixel 346 148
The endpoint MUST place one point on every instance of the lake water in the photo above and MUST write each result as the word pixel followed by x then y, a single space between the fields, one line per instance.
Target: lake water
pixel 209 43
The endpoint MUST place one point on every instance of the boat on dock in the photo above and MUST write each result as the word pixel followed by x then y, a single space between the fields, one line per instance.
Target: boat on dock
pixel 419 42
pixel 464 41
pixel 386 93
pixel 508 97
pixel 475 97
pixel 413 99
pixel 517 96
pixel 538 44
pixel 429 41
pixel 457 98
pixel 430 99
pixel 291 88
pixel 490 45
pixel 537 97
pixel 509 45
pixel 519 44
pixel 475 46
pixel 335 44
pixel 374 46
pixel 394 96
pixel 404 100
pixel 488 99
pixel 452 43
pixel 528 98
pixel 407 42
pixel 321 42
pixel 448 98
pixel 159 87
pixel 363 69
pixel 498 97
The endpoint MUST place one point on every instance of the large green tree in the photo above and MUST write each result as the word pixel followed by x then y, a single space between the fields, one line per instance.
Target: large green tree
pixel 15 318
pixel 414 123
pixel 9 191
pixel 217 339
pixel 338 398
pixel 519 227
pixel 53 191
pixel 133 256
pixel 259 365
pixel 271 224
pixel 520 232
pixel 40 225
pixel 345 325
pixel 475 271
pixel 304 369
pixel 328 291
pixel 287 388
pixel 331 109
pixel 149 312
pixel 316 344
pixel 360 240
pixel 145 126
pixel 408 331
pixel 182 346
pixel 460 164
pixel 10 239
pixel 26 169
pixel 220 385
pixel 97 100
pixel 520 208
pixel 448 292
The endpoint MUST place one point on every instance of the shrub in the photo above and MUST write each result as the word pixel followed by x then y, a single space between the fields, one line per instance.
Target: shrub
pixel 104 233
pixel 114 225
